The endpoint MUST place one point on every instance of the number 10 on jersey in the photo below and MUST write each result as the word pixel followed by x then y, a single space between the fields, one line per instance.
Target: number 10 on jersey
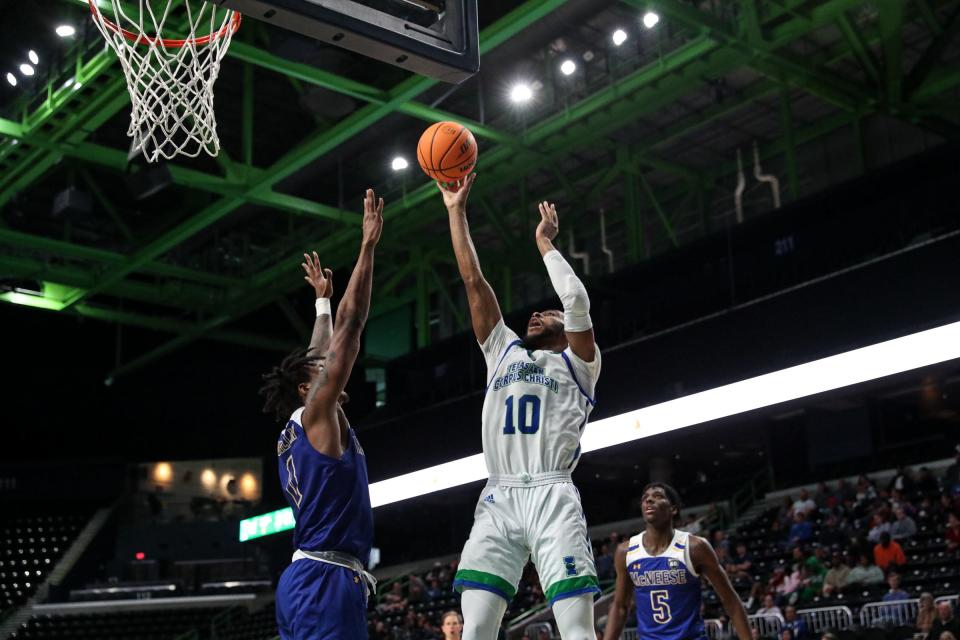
pixel 527 419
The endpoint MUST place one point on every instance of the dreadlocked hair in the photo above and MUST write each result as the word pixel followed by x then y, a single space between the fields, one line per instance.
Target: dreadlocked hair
pixel 280 385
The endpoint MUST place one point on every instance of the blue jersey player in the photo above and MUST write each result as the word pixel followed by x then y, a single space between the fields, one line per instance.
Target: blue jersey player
pixel 660 572
pixel 323 472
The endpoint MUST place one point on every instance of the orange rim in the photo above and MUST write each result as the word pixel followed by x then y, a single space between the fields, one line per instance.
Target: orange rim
pixel 170 43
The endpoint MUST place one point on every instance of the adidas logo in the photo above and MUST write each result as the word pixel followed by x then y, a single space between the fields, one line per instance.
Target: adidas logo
pixel 489 499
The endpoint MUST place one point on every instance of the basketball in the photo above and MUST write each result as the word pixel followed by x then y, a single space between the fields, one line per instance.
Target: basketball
pixel 447 151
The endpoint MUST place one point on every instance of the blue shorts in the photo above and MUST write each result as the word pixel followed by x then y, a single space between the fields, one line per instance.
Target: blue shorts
pixel 318 600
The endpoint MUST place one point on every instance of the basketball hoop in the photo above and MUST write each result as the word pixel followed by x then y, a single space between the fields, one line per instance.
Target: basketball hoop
pixel 170 80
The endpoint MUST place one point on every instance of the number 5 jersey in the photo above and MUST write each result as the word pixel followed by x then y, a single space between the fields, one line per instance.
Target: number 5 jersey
pixel 667 590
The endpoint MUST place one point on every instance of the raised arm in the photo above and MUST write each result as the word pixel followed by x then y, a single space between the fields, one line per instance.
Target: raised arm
pixel 322 282
pixel 705 563
pixel 576 304
pixel 622 596
pixel 484 310
pixel 320 419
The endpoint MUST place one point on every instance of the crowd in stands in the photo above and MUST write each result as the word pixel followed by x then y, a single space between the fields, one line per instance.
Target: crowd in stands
pixel 849 544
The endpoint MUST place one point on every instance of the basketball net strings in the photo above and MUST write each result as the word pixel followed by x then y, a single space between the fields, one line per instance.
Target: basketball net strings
pixel 171 88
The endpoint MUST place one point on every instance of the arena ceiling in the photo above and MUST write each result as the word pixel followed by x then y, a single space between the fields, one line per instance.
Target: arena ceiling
pixel 639 146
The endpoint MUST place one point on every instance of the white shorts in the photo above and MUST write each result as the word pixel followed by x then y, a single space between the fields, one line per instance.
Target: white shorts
pixel 511 524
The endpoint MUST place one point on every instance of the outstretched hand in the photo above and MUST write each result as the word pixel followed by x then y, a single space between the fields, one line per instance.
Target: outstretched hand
pixel 372 218
pixel 549 225
pixel 320 279
pixel 455 197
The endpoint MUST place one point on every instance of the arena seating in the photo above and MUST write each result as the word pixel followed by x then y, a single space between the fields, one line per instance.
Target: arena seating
pixel 124 625
pixel 30 546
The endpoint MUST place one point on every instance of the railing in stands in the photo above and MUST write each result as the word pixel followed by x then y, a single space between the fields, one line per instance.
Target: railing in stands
pixel 901 613
pixel 824 618
pixel 713 628
pixel 768 624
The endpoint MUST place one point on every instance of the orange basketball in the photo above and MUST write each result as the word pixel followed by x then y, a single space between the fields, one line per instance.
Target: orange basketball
pixel 447 151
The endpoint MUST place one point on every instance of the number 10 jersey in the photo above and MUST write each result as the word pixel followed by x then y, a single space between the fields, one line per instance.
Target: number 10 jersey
pixel 536 406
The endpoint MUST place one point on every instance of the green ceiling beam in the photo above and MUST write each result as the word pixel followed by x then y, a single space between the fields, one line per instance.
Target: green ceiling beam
pixel 857 44
pixel 158 247
pixel 921 71
pixel 69 250
pixel 891 43
pixel 154 323
pixel 315 147
pixel 175 294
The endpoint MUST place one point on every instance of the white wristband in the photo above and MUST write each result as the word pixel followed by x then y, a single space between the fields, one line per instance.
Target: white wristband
pixel 323 307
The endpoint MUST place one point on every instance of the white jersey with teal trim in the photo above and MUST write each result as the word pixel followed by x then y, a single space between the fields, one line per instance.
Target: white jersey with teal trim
pixel 536 406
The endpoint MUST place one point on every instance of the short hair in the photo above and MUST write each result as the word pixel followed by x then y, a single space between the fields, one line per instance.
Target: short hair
pixel 446 615
pixel 672 496
pixel 280 384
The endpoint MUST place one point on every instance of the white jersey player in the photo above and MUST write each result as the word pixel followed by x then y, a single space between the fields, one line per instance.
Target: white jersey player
pixel 540 391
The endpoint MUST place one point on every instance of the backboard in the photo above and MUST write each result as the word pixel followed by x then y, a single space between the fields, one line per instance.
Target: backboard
pixel 435 38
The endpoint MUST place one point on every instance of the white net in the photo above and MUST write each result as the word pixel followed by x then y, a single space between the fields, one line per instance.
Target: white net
pixel 170 80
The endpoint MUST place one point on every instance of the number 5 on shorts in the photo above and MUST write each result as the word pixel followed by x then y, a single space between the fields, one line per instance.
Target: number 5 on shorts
pixel 660 605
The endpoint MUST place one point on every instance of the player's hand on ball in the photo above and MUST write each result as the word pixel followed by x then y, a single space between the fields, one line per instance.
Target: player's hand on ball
pixel 320 279
pixel 455 197
pixel 372 218
pixel 549 225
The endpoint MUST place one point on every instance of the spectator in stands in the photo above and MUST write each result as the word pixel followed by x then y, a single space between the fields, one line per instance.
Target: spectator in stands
pixel 829 635
pixel 879 526
pixel 416 590
pixel 823 497
pixel 836 579
pixel 795 623
pixel 755 599
pixel 831 533
pixel 789 585
pixel 895 593
pixel 952 533
pixel 787 634
pixel 946 635
pixel 393 602
pixel 865 572
pixel 720 541
pixel 888 554
pixel 435 590
pixel 755 633
pixel 845 491
pixel 451 625
pixel 945 622
pixel 902 481
pixel 926 613
pixel 801 531
pixel 866 492
pixel 739 565
pixel 804 504
pixel 604 563
pixel 811 583
pixel 903 527
pixel 769 606
pixel 785 513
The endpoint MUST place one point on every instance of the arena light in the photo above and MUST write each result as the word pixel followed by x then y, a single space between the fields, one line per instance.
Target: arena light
pixel 26 69
pixel 399 163
pixel 834 372
pixel 34 58
pixel 521 92
pixel 650 19
pixel 619 37
pixel 568 67
pixel 65 30
pixel 12 79
pixel 818 376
